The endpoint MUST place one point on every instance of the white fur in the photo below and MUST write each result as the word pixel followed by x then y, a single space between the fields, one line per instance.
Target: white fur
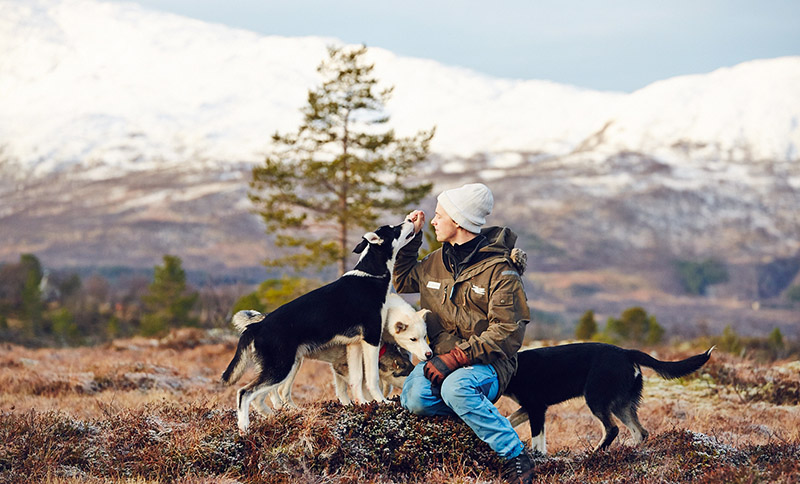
pixel 539 443
pixel 402 325
pixel 362 357
pixel 369 355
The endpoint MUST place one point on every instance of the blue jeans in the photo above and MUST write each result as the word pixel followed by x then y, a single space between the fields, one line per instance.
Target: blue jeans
pixel 468 392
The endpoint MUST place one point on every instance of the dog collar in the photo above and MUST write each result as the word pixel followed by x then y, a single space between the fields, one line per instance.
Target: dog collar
pixel 382 351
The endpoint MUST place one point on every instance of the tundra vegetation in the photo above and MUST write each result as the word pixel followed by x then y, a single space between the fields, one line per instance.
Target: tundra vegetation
pixel 152 410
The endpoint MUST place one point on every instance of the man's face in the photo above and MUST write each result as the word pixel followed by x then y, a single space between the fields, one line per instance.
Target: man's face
pixel 446 229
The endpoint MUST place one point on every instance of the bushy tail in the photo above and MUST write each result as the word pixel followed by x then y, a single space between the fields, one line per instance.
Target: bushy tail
pixel 671 369
pixel 239 362
pixel 242 319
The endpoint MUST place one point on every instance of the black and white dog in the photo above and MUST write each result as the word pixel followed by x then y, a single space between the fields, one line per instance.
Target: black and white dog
pixel 607 376
pixel 349 311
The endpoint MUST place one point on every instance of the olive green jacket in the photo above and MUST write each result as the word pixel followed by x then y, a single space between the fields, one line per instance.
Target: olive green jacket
pixel 483 311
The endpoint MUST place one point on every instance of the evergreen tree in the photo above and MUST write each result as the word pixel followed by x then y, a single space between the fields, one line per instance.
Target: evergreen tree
pixel 655 332
pixel 697 276
pixel 31 294
pixel 775 340
pixel 168 303
pixel 339 171
pixel 587 326
pixel 634 325
pixel 730 342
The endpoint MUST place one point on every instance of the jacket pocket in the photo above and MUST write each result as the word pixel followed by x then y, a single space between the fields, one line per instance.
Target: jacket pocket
pixel 477 298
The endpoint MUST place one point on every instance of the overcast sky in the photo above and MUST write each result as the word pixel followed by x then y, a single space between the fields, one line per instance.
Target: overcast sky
pixel 620 45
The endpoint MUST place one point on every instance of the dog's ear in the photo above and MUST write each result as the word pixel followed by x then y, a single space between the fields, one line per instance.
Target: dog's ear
pixel 399 327
pixel 369 238
pixel 361 246
pixel 422 313
pixel 373 238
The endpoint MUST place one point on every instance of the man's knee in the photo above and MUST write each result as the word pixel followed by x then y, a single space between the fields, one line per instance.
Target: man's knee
pixel 411 399
pixel 461 388
pixel 454 391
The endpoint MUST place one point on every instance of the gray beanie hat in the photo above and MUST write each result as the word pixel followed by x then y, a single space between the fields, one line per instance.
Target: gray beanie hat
pixel 468 206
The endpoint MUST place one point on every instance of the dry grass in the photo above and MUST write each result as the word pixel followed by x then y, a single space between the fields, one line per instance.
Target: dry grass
pixel 141 411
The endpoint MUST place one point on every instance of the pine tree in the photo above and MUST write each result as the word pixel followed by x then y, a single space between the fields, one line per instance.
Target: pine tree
pixel 339 171
pixel 169 302
pixel 32 305
pixel 634 326
pixel 730 342
pixel 587 326
pixel 775 340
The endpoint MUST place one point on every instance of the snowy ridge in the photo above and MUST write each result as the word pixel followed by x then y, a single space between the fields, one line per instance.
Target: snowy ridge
pixel 747 112
pixel 116 88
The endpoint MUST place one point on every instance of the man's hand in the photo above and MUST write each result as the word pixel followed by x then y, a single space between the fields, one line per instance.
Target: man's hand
pixel 418 217
pixel 438 367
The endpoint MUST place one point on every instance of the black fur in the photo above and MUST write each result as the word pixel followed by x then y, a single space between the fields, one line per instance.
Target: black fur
pixel 608 377
pixel 348 307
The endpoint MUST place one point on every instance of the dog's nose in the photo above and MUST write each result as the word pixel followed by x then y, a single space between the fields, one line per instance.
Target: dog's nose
pixel 428 355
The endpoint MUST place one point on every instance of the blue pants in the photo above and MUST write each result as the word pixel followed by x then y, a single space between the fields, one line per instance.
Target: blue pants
pixel 467 392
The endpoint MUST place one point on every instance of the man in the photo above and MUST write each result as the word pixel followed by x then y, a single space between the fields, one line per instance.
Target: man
pixel 473 288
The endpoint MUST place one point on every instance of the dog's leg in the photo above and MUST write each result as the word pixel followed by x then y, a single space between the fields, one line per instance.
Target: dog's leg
pixel 275 398
pixel 518 417
pixel 536 420
pixel 284 391
pixel 629 418
pixel 603 414
pixel 355 368
pixel 244 398
pixel 539 442
pixel 340 384
pixel 371 373
pixel 261 405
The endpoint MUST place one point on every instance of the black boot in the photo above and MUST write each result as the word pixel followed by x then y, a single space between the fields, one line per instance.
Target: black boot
pixel 517 470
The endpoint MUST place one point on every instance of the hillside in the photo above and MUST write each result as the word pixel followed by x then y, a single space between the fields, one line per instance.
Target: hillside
pixel 127 134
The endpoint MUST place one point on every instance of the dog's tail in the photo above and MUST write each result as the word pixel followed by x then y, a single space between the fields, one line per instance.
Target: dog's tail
pixel 239 362
pixel 670 369
pixel 242 319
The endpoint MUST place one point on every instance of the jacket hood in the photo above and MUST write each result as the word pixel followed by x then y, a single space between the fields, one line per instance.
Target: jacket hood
pixel 501 239
pixel 501 247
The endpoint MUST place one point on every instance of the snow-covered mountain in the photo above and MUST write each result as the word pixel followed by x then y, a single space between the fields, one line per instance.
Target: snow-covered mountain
pixel 127 133
pixel 115 87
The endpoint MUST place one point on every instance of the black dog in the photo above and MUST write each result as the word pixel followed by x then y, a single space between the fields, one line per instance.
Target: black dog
pixel 349 311
pixel 607 376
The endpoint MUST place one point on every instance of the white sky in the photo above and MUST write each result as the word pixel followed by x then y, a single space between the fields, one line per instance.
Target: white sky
pixel 618 45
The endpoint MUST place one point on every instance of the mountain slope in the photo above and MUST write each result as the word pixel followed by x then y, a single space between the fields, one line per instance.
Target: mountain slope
pixel 126 134
pixel 117 87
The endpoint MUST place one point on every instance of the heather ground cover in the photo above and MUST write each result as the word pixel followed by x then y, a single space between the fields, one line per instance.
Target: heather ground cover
pixel 143 410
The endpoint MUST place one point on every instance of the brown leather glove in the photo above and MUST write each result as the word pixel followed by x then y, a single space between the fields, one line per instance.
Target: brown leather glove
pixel 438 367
